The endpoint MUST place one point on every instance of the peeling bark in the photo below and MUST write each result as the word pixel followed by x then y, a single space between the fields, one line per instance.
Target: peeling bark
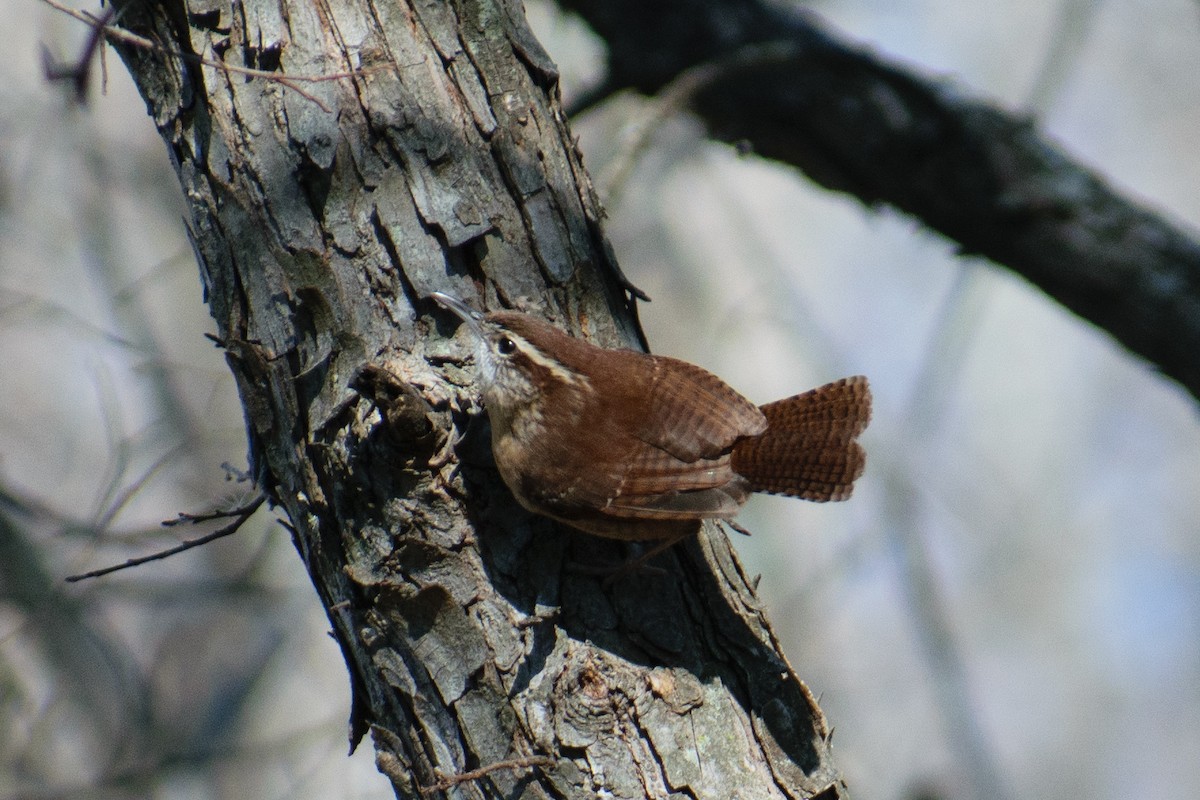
pixel 445 163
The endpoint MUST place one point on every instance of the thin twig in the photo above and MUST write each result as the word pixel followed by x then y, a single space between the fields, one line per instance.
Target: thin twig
pixel 538 619
pixel 246 512
pixel 209 516
pixel 946 355
pixel 114 34
pixel 676 96
pixel 448 781
pixel 733 526
pixel 77 73
pixel 124 495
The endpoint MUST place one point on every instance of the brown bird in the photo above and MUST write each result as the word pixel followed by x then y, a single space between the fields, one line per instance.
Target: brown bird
pixel 633 446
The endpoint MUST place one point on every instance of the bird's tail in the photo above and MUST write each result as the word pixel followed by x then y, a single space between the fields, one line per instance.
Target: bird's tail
pixel 808 449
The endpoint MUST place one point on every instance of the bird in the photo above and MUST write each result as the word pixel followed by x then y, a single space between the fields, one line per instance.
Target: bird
pixel 633 446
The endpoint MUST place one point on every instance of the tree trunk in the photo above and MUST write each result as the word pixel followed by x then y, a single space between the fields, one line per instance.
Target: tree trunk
pixel 322 214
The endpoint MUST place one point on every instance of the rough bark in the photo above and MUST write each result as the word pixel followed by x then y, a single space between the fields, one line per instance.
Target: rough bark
pixel 768 76
pixel 444 163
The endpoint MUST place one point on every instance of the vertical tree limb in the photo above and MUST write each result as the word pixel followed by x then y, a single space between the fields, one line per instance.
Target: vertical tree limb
pixel 445 163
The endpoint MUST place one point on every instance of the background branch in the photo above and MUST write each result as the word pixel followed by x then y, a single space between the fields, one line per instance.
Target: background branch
pixel 855 121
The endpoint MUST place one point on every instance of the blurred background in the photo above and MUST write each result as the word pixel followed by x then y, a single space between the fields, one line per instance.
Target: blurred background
pixel 1009 606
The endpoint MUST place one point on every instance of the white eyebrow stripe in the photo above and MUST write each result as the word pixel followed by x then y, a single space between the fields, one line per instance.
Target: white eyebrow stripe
pixel 542 360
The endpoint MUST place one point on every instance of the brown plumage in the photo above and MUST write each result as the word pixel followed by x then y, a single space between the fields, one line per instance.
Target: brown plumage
pixel 635 446
pixel 808 449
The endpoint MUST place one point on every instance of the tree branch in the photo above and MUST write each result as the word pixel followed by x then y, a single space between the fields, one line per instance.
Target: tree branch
pixel 856 122
pixel 446 164
pixel 240 515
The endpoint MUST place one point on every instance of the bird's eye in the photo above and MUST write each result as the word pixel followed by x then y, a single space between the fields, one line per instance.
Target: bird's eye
pixel 505 346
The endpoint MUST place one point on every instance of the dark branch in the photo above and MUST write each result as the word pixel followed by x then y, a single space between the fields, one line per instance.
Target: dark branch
pixel 983 177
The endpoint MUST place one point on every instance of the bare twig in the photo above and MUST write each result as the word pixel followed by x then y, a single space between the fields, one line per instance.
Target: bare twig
pixel 674 98
pixel 244 513
pixel 192 519
pixel 448 781
pixel 113 34
pixel 733 526
pixel 927 604
pixel 77 73
pixel 120 497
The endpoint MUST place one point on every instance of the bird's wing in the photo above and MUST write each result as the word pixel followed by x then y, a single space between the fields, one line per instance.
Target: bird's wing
pixel 677 463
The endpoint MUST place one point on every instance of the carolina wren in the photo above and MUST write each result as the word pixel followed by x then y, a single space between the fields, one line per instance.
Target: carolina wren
pixel 634 446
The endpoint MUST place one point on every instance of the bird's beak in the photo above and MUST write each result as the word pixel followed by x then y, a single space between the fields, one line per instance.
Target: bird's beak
pixel 467 314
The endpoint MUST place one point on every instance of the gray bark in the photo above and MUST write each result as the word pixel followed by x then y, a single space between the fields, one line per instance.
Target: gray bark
pixel 445 163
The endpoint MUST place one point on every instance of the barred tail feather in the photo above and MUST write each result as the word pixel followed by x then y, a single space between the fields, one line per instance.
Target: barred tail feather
pixel 808 449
